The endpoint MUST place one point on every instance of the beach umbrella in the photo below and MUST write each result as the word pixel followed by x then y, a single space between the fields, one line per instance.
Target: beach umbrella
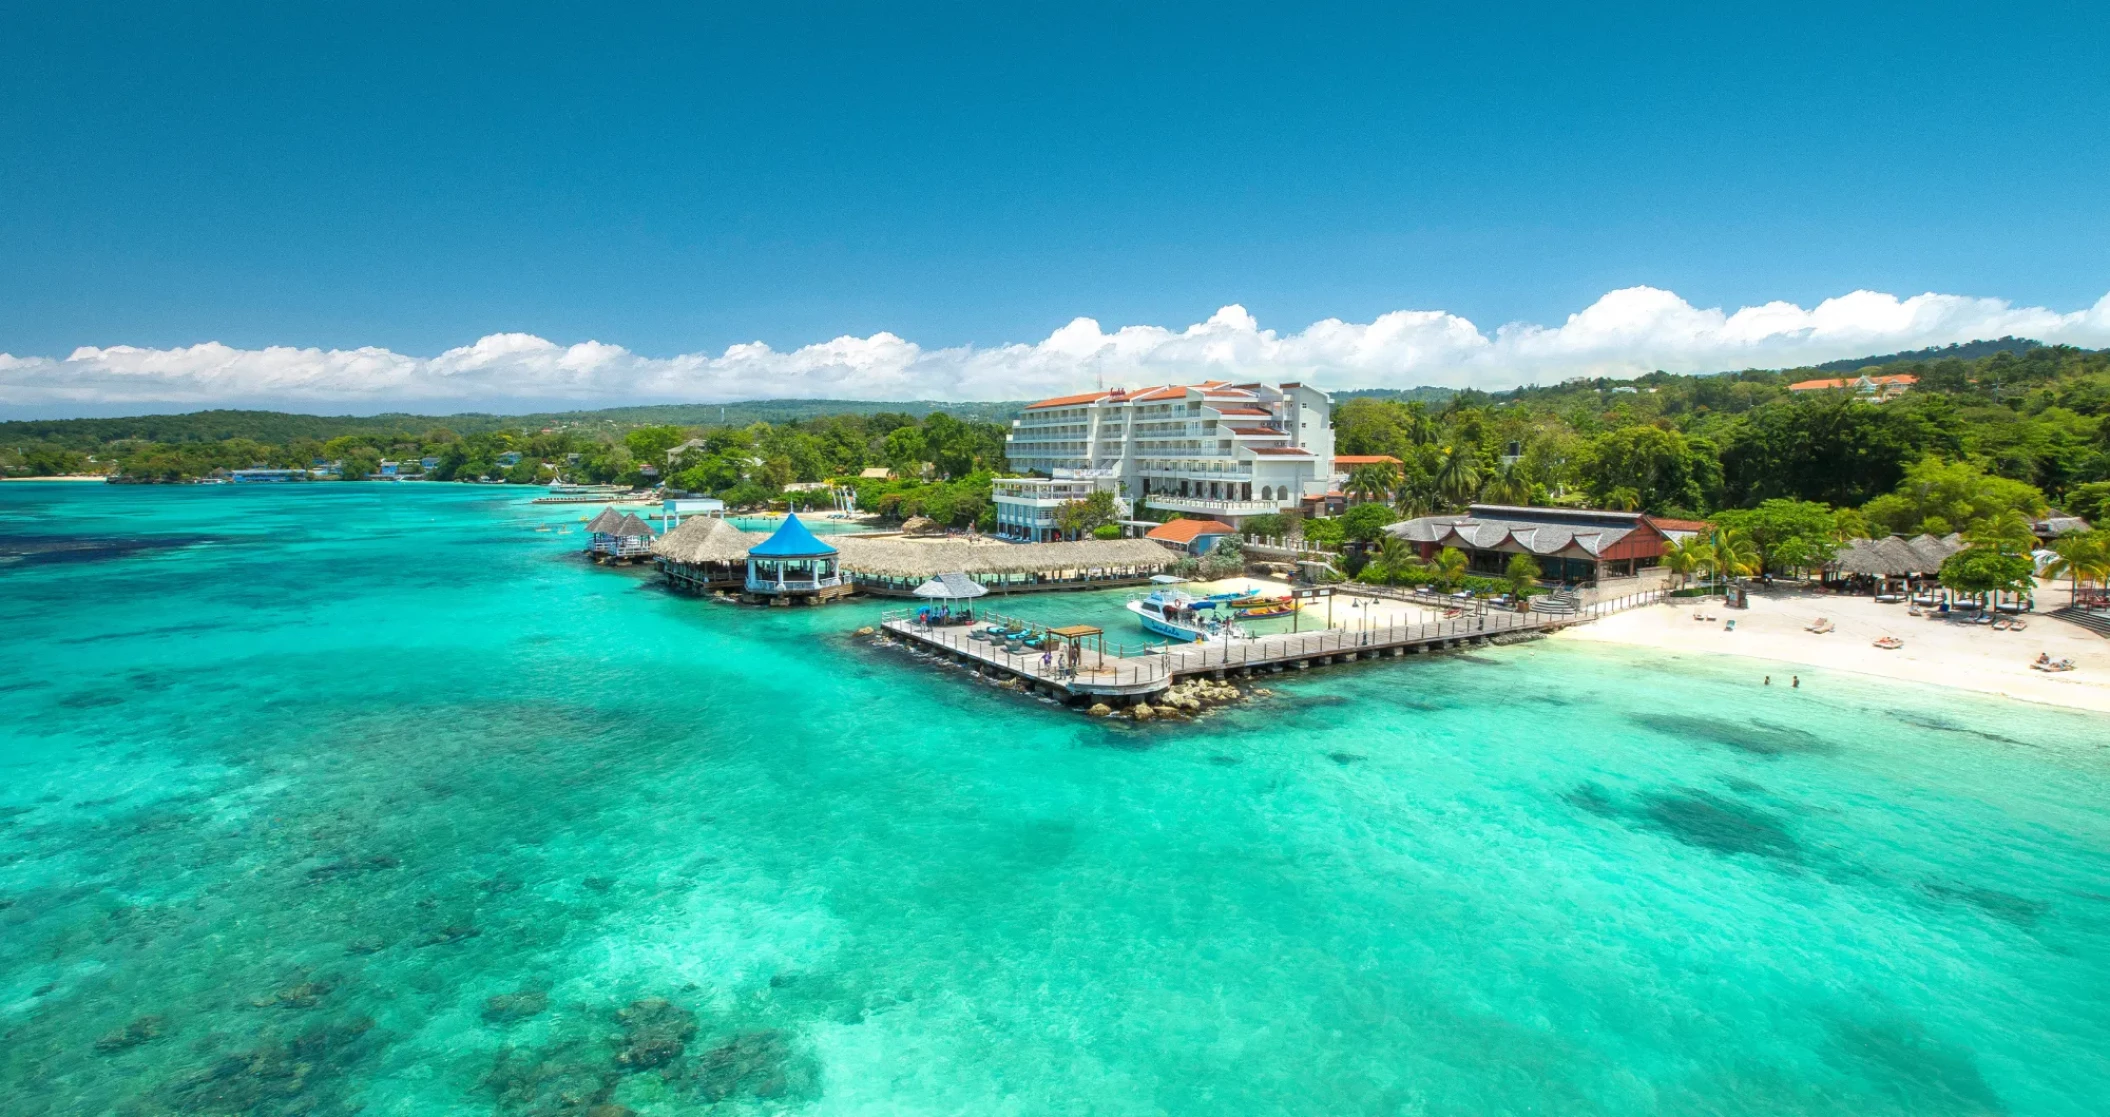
pixel 951 587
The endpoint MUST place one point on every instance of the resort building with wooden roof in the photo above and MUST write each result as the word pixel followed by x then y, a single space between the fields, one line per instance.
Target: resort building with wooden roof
pixel 1577 545
pixel 1217 449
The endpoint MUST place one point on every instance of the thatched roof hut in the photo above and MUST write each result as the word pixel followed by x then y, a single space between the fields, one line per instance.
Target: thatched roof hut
pixel 706 539
pixel 898 558
pixel 1859 557
pixel 1934 550
pixel 605 523
pixel 630 527
pixel 1894 557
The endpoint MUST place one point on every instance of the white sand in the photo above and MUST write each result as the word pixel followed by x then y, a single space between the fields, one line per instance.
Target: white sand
pixel 1351 613
pixel 1936 653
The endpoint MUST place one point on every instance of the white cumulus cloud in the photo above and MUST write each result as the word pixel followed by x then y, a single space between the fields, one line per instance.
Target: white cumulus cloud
pixel 1624 333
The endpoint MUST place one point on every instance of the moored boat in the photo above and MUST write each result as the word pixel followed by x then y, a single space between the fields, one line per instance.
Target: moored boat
pixel 1182 616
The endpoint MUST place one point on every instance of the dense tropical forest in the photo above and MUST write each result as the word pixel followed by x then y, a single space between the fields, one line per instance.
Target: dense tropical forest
pixel 2020 428
pixel 1975 446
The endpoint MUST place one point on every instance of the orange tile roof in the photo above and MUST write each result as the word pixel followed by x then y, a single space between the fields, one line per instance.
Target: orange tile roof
pixel 1906 379
pixel 1280 450
pixel 1186 531
pixel 1365 459
pixel 1264 432
pixel 1066 401
pixel 1240 410
pixel 1681 525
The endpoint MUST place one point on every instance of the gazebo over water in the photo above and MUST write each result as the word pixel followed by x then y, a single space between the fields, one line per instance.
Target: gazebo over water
pixel 793 565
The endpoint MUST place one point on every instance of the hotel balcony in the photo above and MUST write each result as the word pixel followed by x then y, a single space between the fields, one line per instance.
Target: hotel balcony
pixel 1213 507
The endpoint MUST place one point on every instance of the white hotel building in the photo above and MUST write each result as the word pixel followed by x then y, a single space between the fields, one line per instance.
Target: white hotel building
pixel 1218 450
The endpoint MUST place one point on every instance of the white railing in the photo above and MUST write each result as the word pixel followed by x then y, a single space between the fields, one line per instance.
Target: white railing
pixel 791 585
pixel 1212 504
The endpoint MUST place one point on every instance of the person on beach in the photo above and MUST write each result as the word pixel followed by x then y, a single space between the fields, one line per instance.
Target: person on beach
pixel 1796 684
pixel 1769 680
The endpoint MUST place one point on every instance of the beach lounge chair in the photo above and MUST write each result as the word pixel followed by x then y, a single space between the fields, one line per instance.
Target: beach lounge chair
pixel 1889 643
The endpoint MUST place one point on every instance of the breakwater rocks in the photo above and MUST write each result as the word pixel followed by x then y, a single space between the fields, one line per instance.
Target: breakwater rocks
pixel 1189 699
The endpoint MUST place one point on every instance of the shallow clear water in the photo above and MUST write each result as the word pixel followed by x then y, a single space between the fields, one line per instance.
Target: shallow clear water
pixel 296 781
pixel 817 523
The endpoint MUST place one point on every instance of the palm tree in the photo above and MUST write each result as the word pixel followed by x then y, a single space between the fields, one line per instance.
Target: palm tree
pixel 1458 476
pixel 2009 533
pixel 1393 556
pixel 1686 556
pixel 1416 497
pixel 1623 499
pixel 1450 566
pixel 1732 554
pixel 1508 485
pixel 2083 556
pixel 1372 483
pixel 1420 431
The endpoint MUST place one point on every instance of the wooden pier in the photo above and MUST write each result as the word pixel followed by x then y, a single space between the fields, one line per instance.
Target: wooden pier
pixel 1126 673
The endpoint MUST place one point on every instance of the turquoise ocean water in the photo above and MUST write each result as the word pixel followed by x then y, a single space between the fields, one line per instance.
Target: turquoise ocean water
pixel 362 798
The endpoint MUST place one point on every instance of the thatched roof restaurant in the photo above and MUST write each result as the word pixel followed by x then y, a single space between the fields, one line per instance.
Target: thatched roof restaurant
pixel 1895 557
pixel 709 553
pixel 895 567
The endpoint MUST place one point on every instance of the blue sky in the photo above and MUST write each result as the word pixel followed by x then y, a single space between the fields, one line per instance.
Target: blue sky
pixel 677 180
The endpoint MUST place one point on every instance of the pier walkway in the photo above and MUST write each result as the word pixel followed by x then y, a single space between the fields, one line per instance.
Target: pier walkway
pixel 1134 673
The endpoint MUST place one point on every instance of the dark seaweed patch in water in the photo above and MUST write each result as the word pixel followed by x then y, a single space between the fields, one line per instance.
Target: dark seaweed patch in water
pixel 90 700
pixel 1590 797
pixel 1917 1073
pixel 304 1076
pixel 1936 722
pixel 1755 737
pixel 1699 819
pixel 1743 786
pixel 580 1076
pixel 1345 758
pixel 2006 906
pixel 1225 761
pixel 54 550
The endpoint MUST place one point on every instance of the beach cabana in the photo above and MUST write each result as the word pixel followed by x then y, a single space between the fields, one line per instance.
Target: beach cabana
pixel 705 553
pixel 629 540
pixel 600 531
pixel 1892 563
pixel 946 590
pixel 793 565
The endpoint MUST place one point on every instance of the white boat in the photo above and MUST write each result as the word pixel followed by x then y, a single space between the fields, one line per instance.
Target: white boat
pixel 1183 617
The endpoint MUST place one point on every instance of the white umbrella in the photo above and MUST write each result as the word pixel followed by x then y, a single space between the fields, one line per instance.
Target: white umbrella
pixel 951 587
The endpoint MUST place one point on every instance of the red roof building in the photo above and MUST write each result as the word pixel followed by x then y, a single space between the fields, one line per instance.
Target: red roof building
pixel 1193 537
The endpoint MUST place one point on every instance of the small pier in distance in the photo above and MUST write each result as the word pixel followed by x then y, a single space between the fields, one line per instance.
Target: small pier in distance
pixel 1125 673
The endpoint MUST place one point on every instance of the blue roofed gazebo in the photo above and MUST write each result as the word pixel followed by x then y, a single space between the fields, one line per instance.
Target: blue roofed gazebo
pixel 794 565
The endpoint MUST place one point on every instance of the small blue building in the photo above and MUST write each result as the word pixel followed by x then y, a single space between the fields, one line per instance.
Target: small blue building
pixel 794 566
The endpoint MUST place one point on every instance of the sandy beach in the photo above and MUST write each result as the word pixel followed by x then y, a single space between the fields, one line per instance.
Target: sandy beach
pixel 1936 652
